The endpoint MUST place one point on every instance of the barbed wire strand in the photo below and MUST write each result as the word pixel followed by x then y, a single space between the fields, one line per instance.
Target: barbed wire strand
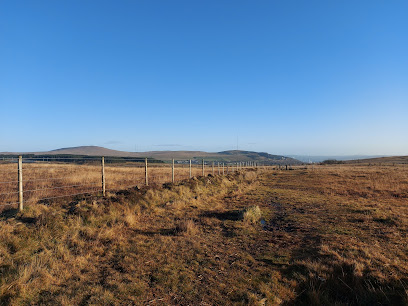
pixel 8 204
pixel 61 187
pixel 10 182
pixel 49 179
pixel 13 192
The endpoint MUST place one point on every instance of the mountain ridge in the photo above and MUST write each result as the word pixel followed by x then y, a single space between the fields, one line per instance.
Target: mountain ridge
pixel 223 156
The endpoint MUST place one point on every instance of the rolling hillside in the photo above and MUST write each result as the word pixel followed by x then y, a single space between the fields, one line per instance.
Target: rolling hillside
pixel 225 156
pixel 381 160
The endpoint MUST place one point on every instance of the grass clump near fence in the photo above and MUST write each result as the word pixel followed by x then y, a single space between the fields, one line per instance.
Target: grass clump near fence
pixel 252 214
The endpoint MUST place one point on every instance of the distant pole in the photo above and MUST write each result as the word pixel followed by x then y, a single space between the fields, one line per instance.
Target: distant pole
pixel 212 168
pixel 20 183
pixel 203 168
pixel 172 170
pixel 190 169
pixel 146 179
pixel 103 177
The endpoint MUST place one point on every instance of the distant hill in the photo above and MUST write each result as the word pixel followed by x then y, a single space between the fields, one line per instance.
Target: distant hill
pixel 320 158
pixel 225 156
pixel 381 160
pixel 90 150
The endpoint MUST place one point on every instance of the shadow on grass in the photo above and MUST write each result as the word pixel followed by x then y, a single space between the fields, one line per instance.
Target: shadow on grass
pixel 8 213
pixel 344 287
pixel 13 213
pixel 232 215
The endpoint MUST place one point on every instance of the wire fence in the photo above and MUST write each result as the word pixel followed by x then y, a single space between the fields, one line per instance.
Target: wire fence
pixel 38 180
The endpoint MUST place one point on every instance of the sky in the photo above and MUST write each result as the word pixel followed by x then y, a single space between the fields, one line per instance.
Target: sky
pixel 283 77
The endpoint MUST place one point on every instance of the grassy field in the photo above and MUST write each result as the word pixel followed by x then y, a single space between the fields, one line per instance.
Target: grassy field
pixel 322 236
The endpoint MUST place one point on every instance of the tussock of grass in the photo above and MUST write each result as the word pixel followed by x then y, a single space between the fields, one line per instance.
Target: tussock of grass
pixel 187 227
pixel 252 215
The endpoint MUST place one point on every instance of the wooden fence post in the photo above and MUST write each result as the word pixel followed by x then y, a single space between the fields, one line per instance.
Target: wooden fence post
pixel 146 178
pixel 219 171
pixel 190 169
pixel 20 183
pixel 103 177
pixel 213 168
pixel 172 171
pixel 223 172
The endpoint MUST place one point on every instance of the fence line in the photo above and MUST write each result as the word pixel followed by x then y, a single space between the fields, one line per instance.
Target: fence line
pixel 31 189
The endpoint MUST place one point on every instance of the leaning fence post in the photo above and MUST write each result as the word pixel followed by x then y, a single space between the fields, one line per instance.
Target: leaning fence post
pixel 146 179
pixel 103 176
pixel 203 168
pixel 20 183
pixel 172 171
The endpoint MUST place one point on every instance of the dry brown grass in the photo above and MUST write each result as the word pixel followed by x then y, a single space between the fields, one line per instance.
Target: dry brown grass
pixel 329 236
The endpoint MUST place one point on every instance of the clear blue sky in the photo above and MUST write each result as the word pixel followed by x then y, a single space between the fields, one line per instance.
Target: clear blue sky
pixel 285 77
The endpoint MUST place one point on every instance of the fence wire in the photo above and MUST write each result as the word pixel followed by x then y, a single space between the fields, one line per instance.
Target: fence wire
pixel 46 178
